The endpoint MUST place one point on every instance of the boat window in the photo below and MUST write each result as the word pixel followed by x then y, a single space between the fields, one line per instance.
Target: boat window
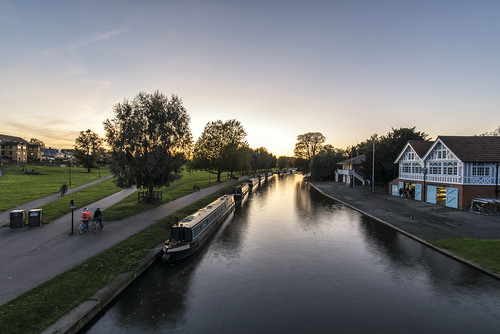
pixel 174 233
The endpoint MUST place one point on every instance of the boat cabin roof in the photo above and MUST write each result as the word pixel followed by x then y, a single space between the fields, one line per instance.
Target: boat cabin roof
pixel 192 220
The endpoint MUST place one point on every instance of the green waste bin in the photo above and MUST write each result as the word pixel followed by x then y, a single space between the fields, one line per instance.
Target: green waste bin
pixel 17 218
pixel 35 217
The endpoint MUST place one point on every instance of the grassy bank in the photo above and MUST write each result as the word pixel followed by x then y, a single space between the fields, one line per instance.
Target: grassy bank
pixel 17 187
pixel 485 253
pixel 40 307
pixel 129 205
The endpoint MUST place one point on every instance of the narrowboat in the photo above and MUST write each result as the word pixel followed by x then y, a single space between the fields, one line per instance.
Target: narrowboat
pixel 192 232
pixel 253 182
pixel 240 191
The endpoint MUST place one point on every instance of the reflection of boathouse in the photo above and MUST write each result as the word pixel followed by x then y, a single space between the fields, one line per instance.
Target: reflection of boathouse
pixel 351 167
pixel 451 171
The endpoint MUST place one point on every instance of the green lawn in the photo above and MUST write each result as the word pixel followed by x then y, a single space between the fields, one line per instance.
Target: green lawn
pixel 486 253
pixel 82 198
pixel 129 206
pixel 17 188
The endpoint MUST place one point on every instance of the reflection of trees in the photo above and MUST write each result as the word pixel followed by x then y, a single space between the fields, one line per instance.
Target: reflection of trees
pixel 410 259
pixel 310 204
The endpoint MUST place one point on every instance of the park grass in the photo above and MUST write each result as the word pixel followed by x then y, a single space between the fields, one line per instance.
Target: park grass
pixel 484 252
pixel 129 206
pixel 82 198
pixel 37 309
pixel 17 188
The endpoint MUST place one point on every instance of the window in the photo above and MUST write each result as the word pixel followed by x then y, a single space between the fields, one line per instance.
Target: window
pixel 450 168
pixel 435 168
pixel 479 169
pixel 406 168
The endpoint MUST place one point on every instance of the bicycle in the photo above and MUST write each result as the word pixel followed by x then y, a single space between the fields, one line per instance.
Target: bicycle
pixel 97 224
pixel 84 226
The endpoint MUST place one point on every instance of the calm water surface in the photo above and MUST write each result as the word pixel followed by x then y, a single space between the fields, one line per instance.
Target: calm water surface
pixel 290 261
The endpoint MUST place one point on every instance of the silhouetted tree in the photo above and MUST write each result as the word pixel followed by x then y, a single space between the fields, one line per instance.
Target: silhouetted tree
pixel 307 146
pixel 149 141
pixel 221 148
pixel 324 164
pixel 88 149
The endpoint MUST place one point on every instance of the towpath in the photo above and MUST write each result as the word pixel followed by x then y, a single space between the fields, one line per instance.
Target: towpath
pixel 31 256
pixel 422 220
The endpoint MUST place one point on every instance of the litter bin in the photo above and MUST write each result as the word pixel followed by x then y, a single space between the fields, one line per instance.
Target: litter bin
pixel 35 217
pixel 17 218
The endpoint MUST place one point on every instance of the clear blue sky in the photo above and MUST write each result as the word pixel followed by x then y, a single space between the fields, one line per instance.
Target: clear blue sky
pixel 347 69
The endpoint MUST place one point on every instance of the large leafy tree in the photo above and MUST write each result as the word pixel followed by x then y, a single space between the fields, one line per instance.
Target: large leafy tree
pixel 387 149
pixel 88 148
pixel 324 164
pixel 307 146
pixel 262 159
pixel 149 140
pixel 221 148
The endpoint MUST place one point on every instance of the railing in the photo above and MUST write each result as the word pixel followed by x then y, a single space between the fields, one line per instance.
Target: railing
pixel 451 179
pixel 351 172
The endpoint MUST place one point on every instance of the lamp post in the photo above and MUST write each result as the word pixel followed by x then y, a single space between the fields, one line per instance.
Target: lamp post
pixel 351 178
pixel 70 173
pixel 373 164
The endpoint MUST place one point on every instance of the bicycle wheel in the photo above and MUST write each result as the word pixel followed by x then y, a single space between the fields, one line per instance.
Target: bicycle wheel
pixel 81 228
pixel 101 225
pixel 94 227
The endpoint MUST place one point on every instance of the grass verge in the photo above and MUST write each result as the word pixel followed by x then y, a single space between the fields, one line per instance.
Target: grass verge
pixel 40 307
pixel 485 253
pixel 129 205
pixel 17 188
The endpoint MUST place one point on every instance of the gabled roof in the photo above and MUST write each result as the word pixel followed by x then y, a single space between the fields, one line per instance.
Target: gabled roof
pixel 354 161
pixel 419 146
pixel 12 139
pixel 473 148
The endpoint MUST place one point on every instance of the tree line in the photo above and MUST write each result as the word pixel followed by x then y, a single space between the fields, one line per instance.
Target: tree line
pixel 149 142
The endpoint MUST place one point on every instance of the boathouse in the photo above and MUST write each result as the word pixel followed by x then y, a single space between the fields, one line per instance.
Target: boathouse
pixel 451 171
pixel 351 167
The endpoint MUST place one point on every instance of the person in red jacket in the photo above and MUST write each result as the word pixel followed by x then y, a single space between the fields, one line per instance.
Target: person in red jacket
pixel 86 217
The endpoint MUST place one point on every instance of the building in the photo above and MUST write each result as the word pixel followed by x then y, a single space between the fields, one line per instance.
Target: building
pixel 13 149
pixel 451 171
pixel 351 167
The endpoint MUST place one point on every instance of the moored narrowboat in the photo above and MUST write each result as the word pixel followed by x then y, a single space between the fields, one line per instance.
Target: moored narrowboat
pixel 253 182
pixel 192 232
pixel 240 191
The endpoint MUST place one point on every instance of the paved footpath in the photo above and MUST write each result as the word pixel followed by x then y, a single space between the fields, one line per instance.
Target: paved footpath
pixel 422 220
pixel 31 256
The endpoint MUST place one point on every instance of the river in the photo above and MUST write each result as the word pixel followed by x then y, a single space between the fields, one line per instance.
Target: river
pixel 290 260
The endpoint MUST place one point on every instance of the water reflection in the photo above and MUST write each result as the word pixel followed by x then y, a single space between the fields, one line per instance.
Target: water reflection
pixel 290 260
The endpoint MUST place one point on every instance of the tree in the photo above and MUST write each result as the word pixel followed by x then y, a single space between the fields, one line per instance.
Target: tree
pixel 149 140
pixel 494 133
pixel 387 149
pixel 308 145
pixel 38 142
pixel 284 162
pixel 262 159
pixel 324 164
pixel 88 149
pixel 221 148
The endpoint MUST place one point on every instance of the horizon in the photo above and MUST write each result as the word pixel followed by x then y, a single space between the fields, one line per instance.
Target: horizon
pixel 346 69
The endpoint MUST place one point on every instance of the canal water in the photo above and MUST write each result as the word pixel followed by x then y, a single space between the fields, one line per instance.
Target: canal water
pixel 292 261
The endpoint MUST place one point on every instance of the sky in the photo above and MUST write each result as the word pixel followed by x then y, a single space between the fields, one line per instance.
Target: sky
pixel 348 69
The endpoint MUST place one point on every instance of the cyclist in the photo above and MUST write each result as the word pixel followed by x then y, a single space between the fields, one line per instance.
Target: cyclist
pixel 98 217
pixel 86 218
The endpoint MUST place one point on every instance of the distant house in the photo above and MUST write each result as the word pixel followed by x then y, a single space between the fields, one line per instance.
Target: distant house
pixel 13 149
pixel 451 171
pixel 351 167
pixel 51 154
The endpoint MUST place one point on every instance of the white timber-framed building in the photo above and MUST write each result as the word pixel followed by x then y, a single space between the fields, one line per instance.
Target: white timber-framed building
pixel 451 171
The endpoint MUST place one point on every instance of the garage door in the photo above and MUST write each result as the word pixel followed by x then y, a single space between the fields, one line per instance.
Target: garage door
pixel 418 192
pixel 431 194
pixel 452 197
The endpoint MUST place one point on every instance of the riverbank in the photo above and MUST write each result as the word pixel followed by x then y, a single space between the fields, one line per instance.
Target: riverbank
pixel 421 221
